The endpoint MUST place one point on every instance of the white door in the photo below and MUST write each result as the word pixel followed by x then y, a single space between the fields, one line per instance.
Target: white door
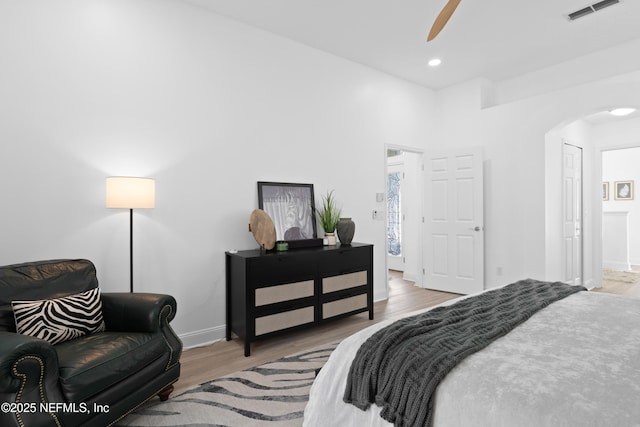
pixel 572 214
pixel 454 221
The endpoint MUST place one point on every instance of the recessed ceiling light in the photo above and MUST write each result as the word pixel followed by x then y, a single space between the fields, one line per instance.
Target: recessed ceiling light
pixel 435 62
pixel 622 111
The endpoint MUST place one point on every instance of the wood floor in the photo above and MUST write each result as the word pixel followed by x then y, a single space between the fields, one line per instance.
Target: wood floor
pixel 627 287
pixel 221 358
pixel 630 290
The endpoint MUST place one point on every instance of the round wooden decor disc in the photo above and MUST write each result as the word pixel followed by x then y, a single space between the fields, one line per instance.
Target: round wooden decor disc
pixel 263 230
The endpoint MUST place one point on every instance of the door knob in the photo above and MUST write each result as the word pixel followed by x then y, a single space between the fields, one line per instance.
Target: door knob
pixel 476 228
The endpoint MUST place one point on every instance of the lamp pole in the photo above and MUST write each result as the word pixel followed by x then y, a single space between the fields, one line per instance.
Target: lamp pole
pixel 126 192
pixel 131 250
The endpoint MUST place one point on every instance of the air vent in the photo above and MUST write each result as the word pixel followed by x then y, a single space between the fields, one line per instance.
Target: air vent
pixel 580 13
pixel 592 8
pixel 604 3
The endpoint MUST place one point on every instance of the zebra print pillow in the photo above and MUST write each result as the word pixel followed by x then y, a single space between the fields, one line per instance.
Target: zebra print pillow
pixel 60 319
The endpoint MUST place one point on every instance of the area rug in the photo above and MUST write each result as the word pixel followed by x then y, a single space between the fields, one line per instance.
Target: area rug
pixel 273 394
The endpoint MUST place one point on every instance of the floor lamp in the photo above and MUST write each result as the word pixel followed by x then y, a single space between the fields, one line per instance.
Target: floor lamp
pixel 125 192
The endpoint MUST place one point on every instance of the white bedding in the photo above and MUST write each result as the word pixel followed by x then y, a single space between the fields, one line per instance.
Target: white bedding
pixel 574 363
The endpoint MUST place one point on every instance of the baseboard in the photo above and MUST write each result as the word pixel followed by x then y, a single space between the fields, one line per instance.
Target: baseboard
pixel 203 337
pixel 379 296
pixel 590 284
pixel 409 277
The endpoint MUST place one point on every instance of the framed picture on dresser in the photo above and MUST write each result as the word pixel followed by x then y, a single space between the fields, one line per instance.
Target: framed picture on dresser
pixel 291 207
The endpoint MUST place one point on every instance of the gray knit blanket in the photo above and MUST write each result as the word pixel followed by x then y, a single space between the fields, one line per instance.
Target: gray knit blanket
pixel 399 367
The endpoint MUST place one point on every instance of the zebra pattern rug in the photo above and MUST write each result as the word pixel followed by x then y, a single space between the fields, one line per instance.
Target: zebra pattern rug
pixel 273 394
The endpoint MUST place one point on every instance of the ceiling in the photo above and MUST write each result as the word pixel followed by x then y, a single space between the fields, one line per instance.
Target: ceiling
pixel 603 117
pixel 495 39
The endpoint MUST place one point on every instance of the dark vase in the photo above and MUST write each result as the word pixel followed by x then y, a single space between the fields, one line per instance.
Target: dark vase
pixel 346 228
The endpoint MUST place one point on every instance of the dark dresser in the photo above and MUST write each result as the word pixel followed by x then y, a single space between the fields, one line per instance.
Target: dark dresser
pixel 273 292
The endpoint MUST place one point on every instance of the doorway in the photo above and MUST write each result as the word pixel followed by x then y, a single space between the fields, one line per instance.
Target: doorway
pixel 621 220
pixel 403 172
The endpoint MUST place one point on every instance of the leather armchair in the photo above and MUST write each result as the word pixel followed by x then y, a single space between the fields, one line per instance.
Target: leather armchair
pixel 94 380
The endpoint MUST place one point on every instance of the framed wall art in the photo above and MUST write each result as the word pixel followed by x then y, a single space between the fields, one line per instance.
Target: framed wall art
pixel 623 190
pixel 605 191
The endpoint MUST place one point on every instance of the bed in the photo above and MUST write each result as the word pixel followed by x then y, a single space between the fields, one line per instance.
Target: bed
pixel 575 362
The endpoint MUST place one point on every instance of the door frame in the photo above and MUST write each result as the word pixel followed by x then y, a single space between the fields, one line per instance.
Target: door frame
pixel 597 207
pixel 419 243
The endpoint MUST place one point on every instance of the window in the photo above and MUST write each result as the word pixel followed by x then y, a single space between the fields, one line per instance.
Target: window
pixel 394 214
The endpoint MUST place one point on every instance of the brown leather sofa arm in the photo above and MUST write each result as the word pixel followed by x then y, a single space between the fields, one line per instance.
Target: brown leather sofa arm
pixel 28 377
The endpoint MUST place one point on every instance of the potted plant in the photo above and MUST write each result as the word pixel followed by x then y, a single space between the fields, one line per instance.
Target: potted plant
pixel 329 215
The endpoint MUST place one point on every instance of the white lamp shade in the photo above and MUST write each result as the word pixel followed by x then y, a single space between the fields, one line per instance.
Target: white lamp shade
pixel 125 192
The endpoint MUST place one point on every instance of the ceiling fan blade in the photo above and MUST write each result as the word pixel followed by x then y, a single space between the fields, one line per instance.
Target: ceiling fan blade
pixel 442 18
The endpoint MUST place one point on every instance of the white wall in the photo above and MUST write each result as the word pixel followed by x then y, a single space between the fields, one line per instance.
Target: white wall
pixel 615 240
pixel 207 107
pixel 513 136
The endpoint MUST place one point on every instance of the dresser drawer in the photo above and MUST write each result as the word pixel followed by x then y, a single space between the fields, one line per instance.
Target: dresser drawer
pixel 346 305
pixel 345 261
pixel 284 320
pixel 280 293
pixel 343 281
pixel 273 270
